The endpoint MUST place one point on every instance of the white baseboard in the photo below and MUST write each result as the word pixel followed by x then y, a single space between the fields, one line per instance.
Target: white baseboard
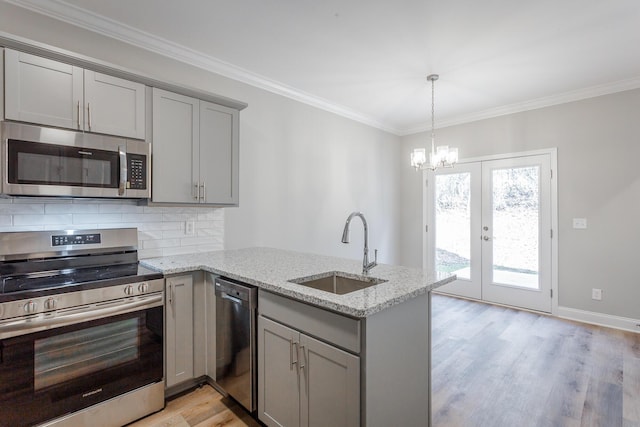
pixel 600 319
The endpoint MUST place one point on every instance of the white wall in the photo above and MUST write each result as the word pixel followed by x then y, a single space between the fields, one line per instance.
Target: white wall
pixel 598 143
pixel 302 170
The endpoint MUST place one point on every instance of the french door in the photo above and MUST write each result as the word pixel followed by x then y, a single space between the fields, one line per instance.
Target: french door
pixel 490 224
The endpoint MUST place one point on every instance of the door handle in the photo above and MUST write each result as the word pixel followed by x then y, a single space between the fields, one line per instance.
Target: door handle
pixel 78 110
pixel 486 238
pixel 89 115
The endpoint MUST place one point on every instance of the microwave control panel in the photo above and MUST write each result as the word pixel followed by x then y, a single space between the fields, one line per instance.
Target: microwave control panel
pixel 137 170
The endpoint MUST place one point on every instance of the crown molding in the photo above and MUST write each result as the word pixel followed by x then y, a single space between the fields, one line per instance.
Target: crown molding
pixel 79 17
pixel 534 104
pixel 63 11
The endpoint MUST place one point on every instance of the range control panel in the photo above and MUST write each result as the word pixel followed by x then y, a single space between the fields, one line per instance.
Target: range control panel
pixel 78 239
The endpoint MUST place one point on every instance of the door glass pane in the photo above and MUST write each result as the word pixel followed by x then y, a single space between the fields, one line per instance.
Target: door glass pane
pixel 453 224
pixel 516 205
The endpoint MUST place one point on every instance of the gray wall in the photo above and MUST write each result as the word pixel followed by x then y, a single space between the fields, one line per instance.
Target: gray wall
pixel 302 170
pixel 598 179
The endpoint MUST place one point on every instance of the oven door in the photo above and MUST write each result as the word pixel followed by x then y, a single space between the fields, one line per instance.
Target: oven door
pixel 46 374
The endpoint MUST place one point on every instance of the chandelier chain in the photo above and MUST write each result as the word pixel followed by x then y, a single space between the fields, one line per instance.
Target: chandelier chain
pixel 433 113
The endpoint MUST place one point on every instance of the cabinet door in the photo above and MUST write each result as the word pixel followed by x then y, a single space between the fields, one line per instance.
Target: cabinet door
pixel 175 132
pixel 211 324
pixel 218 154
pixel 39 90
pixel 113 106
pixel 179 327
pixel 330 386
pixel 279 381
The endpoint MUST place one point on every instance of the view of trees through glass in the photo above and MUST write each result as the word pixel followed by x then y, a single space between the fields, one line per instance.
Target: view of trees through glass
pixel 515 210
pixel 452 218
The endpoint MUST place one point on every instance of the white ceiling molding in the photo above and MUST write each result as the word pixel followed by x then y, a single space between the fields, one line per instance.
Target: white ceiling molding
pixel 82 18
pixel 63 11
pixel 534 104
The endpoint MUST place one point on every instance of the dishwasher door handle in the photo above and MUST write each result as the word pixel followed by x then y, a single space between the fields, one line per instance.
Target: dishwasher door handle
pixel 230 298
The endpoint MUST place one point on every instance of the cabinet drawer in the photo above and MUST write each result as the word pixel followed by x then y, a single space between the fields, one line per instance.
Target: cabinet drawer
pixel 334 328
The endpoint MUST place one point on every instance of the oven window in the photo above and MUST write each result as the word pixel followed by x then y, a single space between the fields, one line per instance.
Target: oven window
pixel 61 358
pixel 48 164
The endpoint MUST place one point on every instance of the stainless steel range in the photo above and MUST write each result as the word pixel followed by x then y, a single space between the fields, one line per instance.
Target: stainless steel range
pixel 81 329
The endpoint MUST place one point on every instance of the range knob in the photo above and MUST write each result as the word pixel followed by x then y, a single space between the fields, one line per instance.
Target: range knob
pixel 128 290
pixel 143 287
pixel 30 307
pixel 50 304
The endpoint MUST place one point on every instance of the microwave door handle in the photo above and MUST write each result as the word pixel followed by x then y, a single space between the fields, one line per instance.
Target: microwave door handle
pixel 123 170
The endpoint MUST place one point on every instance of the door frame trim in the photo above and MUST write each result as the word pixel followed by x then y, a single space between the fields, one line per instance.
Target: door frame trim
pixel 553 159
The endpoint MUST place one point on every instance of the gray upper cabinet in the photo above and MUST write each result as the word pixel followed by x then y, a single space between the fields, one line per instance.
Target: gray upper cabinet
pixel 48 92
pixel 195 151
pixel 43 91
pixel 176 124
pixel 218 166
pixel 114 106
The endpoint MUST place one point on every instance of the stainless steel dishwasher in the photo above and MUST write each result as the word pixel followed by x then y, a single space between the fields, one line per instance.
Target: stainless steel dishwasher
pixel 236 305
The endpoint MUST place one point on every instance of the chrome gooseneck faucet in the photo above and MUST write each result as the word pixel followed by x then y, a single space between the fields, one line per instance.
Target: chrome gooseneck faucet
pixel 366 265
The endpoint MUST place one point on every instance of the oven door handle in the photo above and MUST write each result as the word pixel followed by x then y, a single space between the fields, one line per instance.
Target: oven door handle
pixel 23 326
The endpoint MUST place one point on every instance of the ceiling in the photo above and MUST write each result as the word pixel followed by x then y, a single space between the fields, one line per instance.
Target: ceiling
pixel 368 59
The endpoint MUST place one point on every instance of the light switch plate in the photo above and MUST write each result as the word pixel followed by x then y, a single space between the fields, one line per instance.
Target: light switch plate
pixel 580 223
pixel 596 294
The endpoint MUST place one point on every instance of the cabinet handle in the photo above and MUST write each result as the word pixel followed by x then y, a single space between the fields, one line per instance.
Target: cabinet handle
pixel 291 361
pixel 301 358
pixel 204 192
pixel 89 115
pixel 196 192
pixel 171 295
pixel 78 111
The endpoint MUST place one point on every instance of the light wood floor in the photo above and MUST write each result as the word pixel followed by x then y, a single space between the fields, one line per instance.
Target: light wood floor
pixel 203 407
pixel 494 366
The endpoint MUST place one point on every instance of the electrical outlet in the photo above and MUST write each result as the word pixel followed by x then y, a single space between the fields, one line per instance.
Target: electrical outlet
pixel 189 228
pixel 580 223
pixel 596 294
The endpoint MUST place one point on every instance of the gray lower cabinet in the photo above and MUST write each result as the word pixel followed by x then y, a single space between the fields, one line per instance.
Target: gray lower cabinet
pixel 304 381
pixel 179 329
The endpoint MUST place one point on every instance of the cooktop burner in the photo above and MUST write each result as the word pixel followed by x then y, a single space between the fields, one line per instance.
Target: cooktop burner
pixel 43 263
pixel 32 285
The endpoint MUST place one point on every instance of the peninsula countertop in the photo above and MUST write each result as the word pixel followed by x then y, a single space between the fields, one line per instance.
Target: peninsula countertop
pixel 271 269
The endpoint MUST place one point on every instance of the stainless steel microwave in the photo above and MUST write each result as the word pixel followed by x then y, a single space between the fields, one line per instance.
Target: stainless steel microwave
pixel 41 161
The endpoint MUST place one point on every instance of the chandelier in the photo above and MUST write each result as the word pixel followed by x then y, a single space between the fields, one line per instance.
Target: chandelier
pixel 441 156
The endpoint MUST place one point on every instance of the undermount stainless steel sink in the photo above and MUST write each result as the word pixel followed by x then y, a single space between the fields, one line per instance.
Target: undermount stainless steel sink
pixel 337 282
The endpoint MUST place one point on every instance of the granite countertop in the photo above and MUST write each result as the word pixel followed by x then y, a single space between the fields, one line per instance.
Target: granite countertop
pixel 271 269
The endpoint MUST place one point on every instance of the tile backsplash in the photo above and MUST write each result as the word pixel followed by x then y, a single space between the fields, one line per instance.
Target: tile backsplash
pixel 161 230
